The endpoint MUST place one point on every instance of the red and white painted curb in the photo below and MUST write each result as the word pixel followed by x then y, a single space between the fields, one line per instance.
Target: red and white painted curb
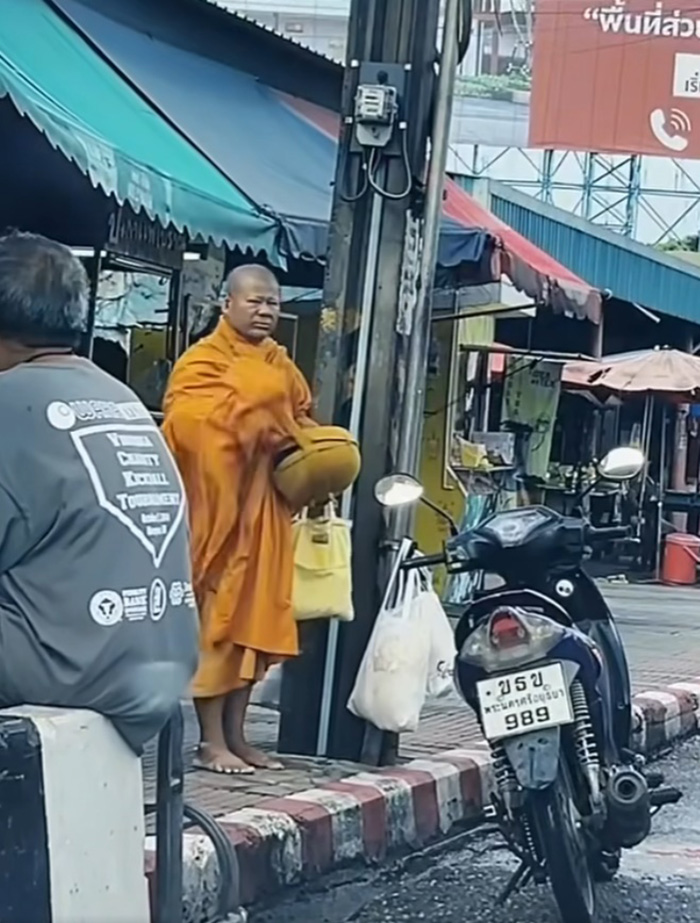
pixel 374 814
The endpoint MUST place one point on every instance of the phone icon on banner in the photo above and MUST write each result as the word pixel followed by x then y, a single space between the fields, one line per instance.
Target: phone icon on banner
pixel 671 130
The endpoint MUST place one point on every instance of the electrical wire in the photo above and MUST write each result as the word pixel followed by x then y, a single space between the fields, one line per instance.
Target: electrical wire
pixel 375 162
pixel 364 183
pixel 489 385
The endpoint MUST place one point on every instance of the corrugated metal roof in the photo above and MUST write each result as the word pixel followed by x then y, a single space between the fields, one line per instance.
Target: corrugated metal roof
pixel 627 269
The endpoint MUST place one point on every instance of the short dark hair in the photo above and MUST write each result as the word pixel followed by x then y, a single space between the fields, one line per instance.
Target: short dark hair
pixel 43 292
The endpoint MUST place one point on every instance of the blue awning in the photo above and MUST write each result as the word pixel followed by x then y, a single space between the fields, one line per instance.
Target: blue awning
pixel 89 112
pixel 277 150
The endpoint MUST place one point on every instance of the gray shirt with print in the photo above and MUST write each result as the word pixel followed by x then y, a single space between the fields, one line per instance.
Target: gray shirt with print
pixel 96 602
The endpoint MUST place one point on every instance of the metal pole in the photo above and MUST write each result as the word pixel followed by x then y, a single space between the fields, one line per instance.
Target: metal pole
pixel 169 821
pixel 358 399
pixel 88 343
pixel 394 41
pixel 645 441
pixel 400 34
pixel 414 398
pixel 661 491
pixel 175 336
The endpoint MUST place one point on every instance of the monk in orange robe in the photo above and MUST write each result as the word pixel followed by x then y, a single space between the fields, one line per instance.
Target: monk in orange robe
pixel 232 400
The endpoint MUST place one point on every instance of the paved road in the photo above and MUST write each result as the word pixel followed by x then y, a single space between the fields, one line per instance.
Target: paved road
pixel 661 629
pixel 491 122
pixel 662 635
pixel 659 882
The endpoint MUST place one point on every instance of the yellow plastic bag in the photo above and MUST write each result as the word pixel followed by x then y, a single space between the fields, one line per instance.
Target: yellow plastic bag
pixel 322 586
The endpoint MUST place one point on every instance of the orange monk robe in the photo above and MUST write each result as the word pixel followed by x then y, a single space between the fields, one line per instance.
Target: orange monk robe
pixel 229 406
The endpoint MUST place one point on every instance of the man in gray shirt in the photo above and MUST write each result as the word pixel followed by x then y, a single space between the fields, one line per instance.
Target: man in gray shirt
pixel 96 602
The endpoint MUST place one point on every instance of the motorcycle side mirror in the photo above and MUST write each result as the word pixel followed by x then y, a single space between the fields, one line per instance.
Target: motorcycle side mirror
pixel 621 464
pixel 396 490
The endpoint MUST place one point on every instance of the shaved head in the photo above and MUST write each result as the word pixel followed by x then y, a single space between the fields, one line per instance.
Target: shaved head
pixel 243 276
pixel 252 304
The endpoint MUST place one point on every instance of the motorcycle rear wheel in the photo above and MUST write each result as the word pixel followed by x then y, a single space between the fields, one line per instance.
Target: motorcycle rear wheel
pixel 563 844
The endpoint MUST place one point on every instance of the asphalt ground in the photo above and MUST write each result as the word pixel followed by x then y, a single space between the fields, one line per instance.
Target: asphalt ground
pixel 458 882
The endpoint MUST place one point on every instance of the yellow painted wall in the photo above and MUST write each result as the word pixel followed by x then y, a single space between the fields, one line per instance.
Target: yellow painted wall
pixel 431 530
pixel 146 375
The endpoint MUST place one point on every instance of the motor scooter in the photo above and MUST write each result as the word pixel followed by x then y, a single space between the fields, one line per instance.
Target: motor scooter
pixel 542 664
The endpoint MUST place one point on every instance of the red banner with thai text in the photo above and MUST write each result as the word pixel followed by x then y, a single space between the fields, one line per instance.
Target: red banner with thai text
pixel 618 78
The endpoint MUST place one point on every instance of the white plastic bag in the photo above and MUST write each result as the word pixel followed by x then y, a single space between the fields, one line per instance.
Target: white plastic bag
pixel 391 683
pixel 266 693
pixel 443 651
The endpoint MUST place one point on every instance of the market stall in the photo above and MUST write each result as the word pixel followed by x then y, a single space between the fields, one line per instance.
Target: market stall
pixel 663 378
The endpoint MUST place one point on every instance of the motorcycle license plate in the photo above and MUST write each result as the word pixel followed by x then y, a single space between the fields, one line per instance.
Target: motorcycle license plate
pixel 530 700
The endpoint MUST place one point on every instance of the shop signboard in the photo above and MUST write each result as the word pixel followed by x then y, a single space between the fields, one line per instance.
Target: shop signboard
pixel 622 77
pixel 135 236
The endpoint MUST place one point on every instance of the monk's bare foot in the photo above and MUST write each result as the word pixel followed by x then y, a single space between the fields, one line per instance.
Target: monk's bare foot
pixel 254 757
pixel 220 760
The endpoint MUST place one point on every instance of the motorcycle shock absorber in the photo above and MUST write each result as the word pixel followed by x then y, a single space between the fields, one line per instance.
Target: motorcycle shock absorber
pixel 504 775
pixel 509 789
pixel 529 838
pixel 507 785
pixel 586 746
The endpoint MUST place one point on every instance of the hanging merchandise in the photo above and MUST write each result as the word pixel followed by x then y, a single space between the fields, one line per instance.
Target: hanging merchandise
pixel 322 587
pixel 530 401
pixel 391 684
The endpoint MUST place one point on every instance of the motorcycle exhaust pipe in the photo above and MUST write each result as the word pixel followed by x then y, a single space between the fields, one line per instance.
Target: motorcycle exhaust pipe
pixel 629 808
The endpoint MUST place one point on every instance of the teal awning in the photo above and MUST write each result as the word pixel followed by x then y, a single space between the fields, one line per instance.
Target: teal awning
pixel 85 109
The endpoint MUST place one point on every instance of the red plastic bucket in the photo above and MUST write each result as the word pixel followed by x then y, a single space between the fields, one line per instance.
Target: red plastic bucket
pixel 681 558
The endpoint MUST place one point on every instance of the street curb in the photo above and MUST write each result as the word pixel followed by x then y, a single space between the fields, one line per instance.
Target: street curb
pixel 375 814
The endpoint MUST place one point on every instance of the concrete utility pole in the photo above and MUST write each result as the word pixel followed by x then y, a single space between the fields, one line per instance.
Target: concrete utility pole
pixel 375 321
pixel 408 453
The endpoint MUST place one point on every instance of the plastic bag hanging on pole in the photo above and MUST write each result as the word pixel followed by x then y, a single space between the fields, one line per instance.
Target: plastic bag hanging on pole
pixel 443 651
pixel 391 684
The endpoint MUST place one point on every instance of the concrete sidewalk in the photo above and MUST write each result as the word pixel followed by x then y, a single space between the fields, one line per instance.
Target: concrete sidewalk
pixel 317 815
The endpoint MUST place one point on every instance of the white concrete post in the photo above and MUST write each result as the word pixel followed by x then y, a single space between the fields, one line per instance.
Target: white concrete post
pixel 71 820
